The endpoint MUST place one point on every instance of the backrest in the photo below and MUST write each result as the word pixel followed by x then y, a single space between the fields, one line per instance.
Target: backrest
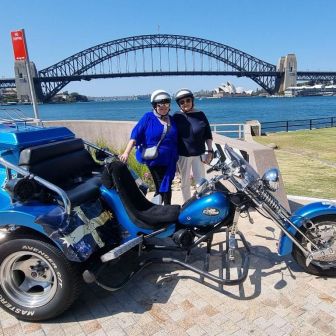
pixel 58 162
pixel 116 174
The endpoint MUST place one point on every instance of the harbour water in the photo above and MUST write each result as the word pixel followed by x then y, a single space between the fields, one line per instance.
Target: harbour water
pixel 226 110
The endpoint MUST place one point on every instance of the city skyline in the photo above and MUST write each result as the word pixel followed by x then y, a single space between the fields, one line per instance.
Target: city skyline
pixel 265 30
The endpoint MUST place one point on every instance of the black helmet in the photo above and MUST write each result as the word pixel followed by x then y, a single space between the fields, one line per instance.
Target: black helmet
pixel 183 93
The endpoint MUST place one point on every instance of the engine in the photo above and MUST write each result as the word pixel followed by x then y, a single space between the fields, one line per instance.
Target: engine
pixel 183 238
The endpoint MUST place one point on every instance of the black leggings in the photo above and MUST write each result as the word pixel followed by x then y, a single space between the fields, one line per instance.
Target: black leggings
pixel 158 172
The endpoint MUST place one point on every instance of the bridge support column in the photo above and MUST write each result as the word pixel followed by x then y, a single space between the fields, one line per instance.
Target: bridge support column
pixel 21 81
pixel 288 66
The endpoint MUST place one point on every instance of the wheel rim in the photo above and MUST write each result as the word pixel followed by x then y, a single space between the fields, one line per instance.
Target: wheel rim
pixel 323 234
pixel 28 279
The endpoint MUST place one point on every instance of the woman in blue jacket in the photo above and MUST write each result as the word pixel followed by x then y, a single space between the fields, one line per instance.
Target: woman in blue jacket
pixel 147 133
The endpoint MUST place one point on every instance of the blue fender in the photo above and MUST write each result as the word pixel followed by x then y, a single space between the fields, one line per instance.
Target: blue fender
pixel 308 211
pixel 45 219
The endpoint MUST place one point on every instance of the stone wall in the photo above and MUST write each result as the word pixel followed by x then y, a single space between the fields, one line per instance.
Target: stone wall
pixel 113 133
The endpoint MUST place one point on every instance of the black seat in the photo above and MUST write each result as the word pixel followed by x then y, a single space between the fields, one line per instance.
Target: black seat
pixel 142 212
pixel 66 164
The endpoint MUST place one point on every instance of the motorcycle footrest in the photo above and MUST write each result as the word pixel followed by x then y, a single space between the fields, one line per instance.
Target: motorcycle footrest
pixel 121 249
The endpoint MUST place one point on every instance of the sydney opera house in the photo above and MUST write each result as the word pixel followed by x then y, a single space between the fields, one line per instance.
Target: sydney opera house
pixel 228 89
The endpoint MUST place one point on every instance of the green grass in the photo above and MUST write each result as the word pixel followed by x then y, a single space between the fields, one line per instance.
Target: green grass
pixel 140 169
pixel 307 161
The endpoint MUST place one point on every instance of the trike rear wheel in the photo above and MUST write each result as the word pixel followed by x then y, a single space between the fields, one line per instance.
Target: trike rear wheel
pixel 37 282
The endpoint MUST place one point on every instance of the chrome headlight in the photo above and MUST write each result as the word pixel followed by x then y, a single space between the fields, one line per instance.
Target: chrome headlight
pixel 201 186
pixel 271 179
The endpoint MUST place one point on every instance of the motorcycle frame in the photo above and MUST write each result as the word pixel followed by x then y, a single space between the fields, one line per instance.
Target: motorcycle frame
pixel 224 226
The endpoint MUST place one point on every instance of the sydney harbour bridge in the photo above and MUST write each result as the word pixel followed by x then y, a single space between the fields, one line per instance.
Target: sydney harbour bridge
pixel 158 55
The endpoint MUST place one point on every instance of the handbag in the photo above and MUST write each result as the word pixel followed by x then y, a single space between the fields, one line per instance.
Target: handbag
pixel 151 153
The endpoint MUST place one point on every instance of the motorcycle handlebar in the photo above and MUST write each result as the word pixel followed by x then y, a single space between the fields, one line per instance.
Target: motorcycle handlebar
pixel 211 169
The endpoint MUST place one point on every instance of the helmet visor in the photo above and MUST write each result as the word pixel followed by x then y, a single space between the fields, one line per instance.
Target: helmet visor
pixel 163 102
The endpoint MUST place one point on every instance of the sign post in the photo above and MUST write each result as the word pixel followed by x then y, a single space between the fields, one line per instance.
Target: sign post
pixel 21 54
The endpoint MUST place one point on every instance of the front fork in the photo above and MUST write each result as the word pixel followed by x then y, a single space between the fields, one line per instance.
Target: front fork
pixel 281 218
pixel 231 243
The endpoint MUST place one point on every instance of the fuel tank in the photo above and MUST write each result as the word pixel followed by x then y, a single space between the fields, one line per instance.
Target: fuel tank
pixel 206 210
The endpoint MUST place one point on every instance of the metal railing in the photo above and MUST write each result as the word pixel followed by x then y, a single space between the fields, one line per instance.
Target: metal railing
pixel 293 125
pixel 230 130
pixel 13 115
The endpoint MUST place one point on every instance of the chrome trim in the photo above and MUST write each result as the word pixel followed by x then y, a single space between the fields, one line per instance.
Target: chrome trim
pixel 87 143
pixel 37 284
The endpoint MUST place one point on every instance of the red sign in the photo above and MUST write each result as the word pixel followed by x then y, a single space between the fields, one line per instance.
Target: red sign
pixel 19 45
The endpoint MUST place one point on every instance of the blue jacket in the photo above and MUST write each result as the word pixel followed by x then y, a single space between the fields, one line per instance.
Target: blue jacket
pixel 147 133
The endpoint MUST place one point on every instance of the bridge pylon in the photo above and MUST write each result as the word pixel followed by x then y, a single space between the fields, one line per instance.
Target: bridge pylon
pixel 22 83
pixel 287 65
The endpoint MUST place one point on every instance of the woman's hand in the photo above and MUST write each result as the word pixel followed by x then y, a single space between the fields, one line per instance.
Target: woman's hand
pixel 124 157
pixel 208 158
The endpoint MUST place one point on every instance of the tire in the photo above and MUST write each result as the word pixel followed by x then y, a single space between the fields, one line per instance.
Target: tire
pixel 37 282
pixel 326 224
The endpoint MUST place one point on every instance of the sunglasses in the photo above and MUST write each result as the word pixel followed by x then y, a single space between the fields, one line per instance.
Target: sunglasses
pixel 184 101
pixel 165 102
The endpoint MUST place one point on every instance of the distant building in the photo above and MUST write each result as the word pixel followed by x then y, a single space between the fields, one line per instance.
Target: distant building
pixel 228 89
pixel 8 95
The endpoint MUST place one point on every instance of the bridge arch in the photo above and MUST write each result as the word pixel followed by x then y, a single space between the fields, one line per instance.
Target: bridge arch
pixel 77 66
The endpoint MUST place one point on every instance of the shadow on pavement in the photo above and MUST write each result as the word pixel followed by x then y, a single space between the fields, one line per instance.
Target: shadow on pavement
pixel 157 282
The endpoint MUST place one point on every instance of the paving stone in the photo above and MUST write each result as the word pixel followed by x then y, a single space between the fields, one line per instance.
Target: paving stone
pixel 110 323
pixel 151 328
pixel 230 328
pixel 54 329
pixel 29 328
pixel 116 331
pixel 325 328
pixel 161 333
pixel 177 315
pixel 272 330
pixel 90 326
pixel 13 330
pixel 240 333
pixel 134 330
pixel 195 331
pixel 287 328
pixel 209 310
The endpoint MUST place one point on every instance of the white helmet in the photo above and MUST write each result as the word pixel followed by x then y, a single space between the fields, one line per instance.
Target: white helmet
pixel 183 93
pixel 159 95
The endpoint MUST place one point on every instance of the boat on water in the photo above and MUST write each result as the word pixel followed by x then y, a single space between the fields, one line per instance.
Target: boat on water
pixel 279 96
pixel 307 91
pixel 9 103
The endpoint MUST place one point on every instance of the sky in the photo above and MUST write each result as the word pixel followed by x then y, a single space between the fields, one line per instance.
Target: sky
pixel 266 29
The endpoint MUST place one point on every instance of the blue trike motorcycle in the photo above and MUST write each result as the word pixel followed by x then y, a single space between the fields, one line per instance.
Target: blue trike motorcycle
pixel 69 209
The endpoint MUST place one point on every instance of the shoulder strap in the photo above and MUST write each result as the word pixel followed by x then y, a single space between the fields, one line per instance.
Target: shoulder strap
pixel 165 130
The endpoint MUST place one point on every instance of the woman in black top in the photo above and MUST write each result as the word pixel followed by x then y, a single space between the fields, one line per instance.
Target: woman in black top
pixel 193 134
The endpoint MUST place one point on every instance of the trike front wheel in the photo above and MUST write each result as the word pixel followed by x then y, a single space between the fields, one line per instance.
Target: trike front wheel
pixel 322 232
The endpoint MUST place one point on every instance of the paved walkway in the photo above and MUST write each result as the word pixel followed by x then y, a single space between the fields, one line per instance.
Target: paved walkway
pixel 276 299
